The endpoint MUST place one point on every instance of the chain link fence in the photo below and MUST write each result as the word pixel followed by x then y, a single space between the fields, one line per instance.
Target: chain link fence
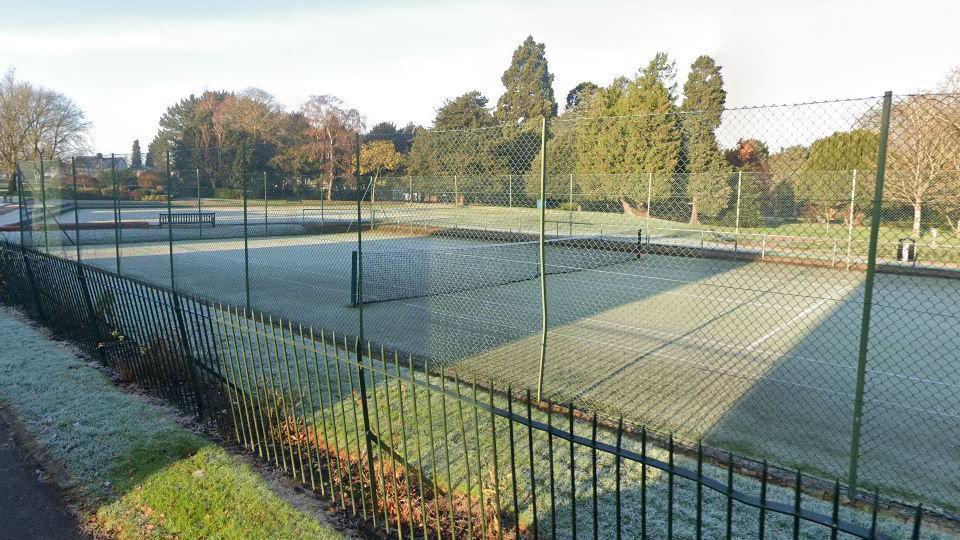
pixel 731 276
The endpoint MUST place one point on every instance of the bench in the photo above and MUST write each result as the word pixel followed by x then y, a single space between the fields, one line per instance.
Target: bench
pixel 188 218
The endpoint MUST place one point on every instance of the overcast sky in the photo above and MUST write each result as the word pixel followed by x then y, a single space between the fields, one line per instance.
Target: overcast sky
pixel 398 61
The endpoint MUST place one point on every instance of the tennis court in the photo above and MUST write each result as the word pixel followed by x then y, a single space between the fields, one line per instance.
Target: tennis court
pixel 755 356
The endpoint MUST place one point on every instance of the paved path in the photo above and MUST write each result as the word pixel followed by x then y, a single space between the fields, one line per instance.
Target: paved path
pixel 29 508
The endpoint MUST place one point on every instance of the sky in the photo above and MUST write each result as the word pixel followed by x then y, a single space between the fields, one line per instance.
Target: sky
pixel 124 63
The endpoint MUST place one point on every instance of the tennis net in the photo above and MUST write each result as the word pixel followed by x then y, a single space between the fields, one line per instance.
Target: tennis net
pixel 414 273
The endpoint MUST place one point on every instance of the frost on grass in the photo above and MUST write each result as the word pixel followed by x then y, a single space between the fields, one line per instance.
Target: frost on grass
pixel 133 465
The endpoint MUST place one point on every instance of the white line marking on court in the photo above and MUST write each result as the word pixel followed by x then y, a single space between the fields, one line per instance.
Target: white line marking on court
pixel 779 328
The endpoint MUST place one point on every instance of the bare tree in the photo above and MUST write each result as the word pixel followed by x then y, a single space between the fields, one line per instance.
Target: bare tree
pixel 37 123
pixel 57 126
pixel 14 127
pixel 331 133
pixel 924 153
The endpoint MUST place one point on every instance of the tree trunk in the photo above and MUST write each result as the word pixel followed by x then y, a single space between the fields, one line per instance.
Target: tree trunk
pixel 631 209
pixel 694 215
pixel 373 190
pixel 917 211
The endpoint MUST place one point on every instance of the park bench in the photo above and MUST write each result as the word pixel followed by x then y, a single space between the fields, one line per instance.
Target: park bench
pixel 188 218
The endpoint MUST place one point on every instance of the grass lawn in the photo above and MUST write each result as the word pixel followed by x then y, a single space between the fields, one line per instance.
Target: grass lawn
pixel 135 470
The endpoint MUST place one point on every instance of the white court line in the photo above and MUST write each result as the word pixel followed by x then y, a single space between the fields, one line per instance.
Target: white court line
pixel 779 328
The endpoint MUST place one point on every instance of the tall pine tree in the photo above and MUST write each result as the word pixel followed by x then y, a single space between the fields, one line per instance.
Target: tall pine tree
pixel 703 168
pixel 631 141
pixel 136 160
pixel 529 85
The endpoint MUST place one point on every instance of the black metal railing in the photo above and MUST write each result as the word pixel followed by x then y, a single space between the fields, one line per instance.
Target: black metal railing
pixel 411 451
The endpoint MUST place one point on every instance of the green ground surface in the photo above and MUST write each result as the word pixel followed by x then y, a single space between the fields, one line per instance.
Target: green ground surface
pixel 757 357
pixel 455 442
pixel 137 471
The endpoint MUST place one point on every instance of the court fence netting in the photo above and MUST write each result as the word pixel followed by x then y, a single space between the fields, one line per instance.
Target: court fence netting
pixel 538 326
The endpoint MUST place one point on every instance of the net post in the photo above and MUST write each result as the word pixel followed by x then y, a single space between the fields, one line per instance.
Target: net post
pixel 868 293
pixel 246 235
pixel 43 202
pixel 368 433
pixel 266 203
pixel 21 203
pixel 354 301
pixel 169 190
pixel 853 193
pixel 199 204
pixel 116 209
pixel 649 199
pixel 737 220
pixel 542 256
pixel 76 207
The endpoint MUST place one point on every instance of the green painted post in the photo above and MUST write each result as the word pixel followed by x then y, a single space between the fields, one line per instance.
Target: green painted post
pixel 21 204
pixel 368 434
pixel 76 207
pixel 246 236
pixel 116 207
pixel 266 203
pixel 868 292
pixel 199 204
pixel 169 190
pixel 737 219
pixel 43 202
pixel 543 256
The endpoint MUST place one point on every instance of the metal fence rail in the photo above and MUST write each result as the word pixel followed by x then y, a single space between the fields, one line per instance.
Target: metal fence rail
pixel 791 295
pixel 439 456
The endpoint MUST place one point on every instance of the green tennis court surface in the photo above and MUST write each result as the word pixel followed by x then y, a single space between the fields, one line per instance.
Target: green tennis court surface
pixel 753 356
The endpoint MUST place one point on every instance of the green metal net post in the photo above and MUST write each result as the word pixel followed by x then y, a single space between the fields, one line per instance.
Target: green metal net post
pixel 116 205
pixel 76 207
pixel 542 256
pixel 169 190
pixel 199 203
pixel 43 203
pixel 266 202
pixel 368 434
pixel 868 292
pixel 21 204
pixel 737 218
pixel 246 235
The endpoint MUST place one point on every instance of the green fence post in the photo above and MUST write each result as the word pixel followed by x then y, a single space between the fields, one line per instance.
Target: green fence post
pixel 21 203
pixel 76 207
pixel 81 276
pixel 246 235
pixel 737 218
pixel 116 208
pixel 543 257
pixel 368 433
pixel 43 202
pixel 169 190
pixel 33 283
pixel 266 202
pixel 199 204
pixel 35 294
pixel 853 195
pixel 189 358
pixel 868 292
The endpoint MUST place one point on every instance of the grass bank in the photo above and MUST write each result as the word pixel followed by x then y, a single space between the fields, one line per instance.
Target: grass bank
pixel 135 471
